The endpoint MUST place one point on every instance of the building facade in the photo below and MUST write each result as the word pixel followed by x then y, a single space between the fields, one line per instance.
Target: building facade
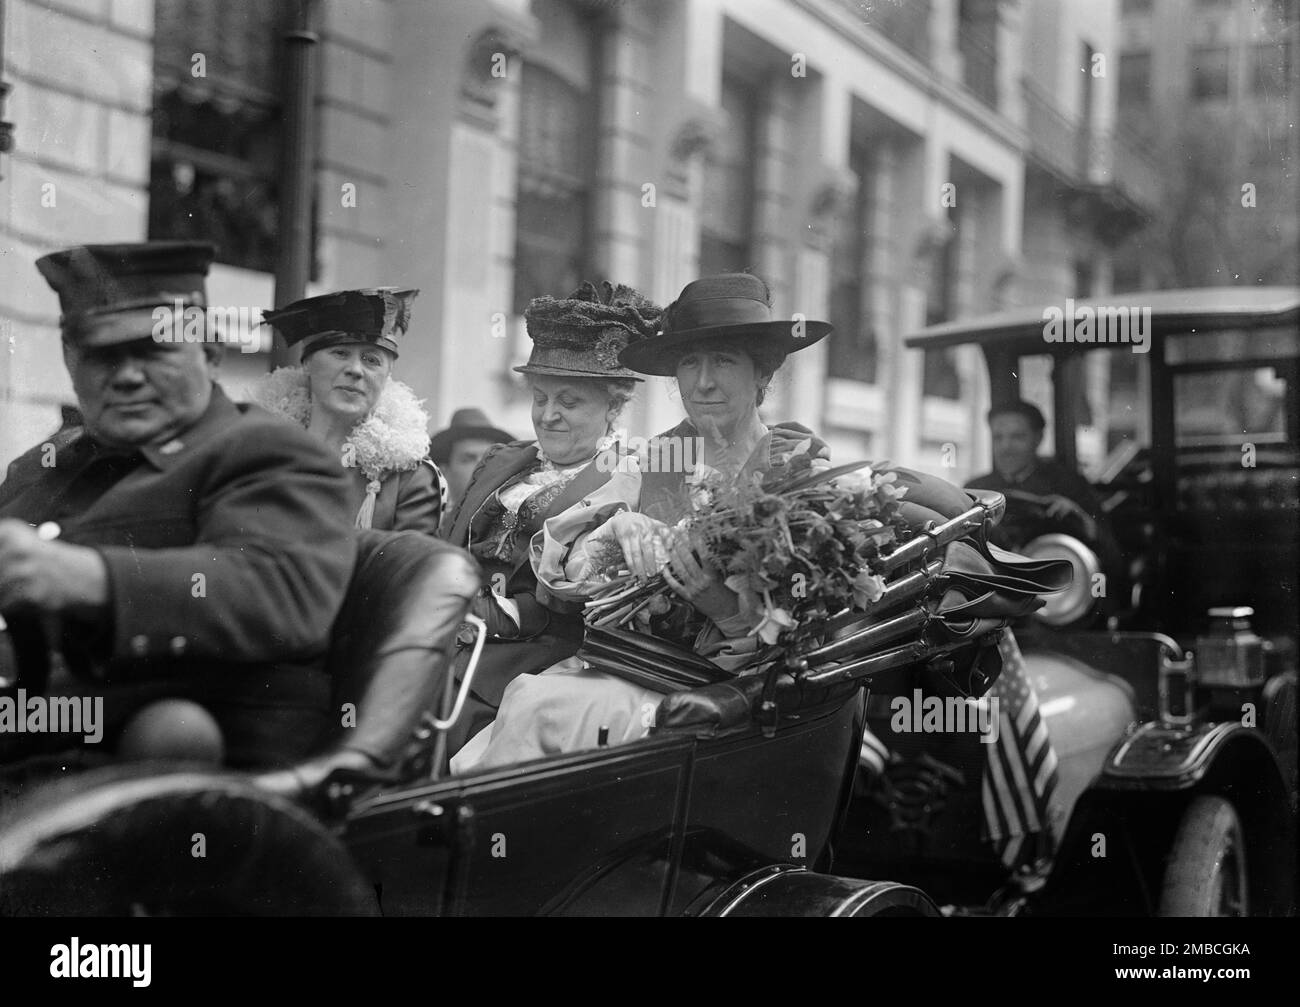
pixel 882 165
pixel 1212 85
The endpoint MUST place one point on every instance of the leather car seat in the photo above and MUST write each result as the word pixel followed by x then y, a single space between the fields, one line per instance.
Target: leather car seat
pixel 391 648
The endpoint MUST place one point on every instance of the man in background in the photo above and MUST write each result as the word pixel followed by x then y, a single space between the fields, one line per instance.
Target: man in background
pixel 1064 495
pixel 458 449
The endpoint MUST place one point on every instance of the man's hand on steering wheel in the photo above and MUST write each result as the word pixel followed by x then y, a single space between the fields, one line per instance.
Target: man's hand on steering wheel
pixel 48 575
pixel 1061 508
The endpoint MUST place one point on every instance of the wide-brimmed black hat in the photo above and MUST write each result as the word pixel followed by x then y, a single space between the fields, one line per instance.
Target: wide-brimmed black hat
pixel 375 315
pixel 729 306
pixel 582 335
pixel 110 293
pixel 466 425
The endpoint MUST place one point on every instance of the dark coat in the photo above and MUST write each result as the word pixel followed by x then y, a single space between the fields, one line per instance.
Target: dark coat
pixel 663 493
pixel 546 635
pixel 413 500
pixel 228 552
pixel 1018 527
pixel 1047 477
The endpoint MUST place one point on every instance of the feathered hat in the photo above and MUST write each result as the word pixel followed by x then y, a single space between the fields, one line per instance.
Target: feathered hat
pixel 583 334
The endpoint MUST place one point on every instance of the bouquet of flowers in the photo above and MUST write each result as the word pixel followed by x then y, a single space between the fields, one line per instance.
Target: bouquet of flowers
pixel 796 544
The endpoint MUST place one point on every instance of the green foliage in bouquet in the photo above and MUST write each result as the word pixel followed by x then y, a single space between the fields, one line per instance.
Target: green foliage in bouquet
pixel 797 544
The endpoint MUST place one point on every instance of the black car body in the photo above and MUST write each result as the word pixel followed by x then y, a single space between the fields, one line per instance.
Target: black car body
pixel 1174 716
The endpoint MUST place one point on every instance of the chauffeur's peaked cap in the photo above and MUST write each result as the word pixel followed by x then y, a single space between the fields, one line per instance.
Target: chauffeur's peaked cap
pixel 108 293
pixel 375 315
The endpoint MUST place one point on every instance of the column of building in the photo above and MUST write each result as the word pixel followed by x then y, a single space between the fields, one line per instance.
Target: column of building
pixel 687 118
pixel 623 145
pixel 478 282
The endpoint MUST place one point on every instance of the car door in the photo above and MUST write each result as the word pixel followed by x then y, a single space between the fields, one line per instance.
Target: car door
pixel 592 833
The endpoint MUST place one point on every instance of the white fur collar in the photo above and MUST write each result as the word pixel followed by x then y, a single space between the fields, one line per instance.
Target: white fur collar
pixel 393 438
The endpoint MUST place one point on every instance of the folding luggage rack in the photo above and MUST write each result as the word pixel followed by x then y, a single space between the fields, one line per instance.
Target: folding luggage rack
pixel 914 572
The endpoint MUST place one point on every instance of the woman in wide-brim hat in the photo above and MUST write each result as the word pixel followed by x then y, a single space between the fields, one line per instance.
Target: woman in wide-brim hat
pixel 721 343
pixel 344 392
pixel 578 390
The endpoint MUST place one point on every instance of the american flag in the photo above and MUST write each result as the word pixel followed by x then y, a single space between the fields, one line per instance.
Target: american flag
pixel 1020 767
pixel 1020 776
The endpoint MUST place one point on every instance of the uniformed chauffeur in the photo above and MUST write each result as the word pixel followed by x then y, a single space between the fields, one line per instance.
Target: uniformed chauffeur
pixel 183 545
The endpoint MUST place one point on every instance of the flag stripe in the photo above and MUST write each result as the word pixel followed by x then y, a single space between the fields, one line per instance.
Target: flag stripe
pixel 1025 797
pixel 1017 812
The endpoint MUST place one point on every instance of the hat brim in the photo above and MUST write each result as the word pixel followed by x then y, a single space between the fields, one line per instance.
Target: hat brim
pixel 659 354
pixel 313 344
pixel 443 441
pixel 622 374
pixel 113 328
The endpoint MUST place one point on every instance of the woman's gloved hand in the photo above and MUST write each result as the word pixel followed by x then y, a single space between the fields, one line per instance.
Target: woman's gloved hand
pixel 698 582
pixel 643 541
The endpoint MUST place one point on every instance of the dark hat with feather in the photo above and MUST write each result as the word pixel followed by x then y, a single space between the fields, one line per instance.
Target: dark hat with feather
pixel 375 315
pixel 583 334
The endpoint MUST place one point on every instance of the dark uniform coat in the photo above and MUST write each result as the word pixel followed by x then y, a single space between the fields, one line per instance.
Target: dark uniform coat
pixel 228 552
pixel 1048 477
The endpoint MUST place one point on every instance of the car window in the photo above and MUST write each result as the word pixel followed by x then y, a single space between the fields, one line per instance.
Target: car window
pixel 1232 345
pixel 1224 408
pixel 1035 374
pixel 1110 405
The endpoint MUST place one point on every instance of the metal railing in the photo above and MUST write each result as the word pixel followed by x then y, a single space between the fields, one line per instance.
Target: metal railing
pixel 1081 156
pixel 1054 140
pixel 1134 170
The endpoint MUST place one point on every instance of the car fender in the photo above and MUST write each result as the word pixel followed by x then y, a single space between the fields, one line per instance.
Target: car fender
pixel 1177 757
pixel 1138 799
pixel 788 890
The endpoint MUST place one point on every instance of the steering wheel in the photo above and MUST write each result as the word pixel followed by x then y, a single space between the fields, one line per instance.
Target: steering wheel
pixel 1027 518
pixel 1081 540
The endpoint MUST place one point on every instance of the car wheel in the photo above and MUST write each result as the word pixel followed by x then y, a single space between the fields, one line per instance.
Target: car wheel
pixel 147 840
pixel 1206 872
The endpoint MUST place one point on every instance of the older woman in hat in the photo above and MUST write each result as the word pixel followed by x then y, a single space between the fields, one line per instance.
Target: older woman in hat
pixel 578 389
pixel 720 342
pixel 344 393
